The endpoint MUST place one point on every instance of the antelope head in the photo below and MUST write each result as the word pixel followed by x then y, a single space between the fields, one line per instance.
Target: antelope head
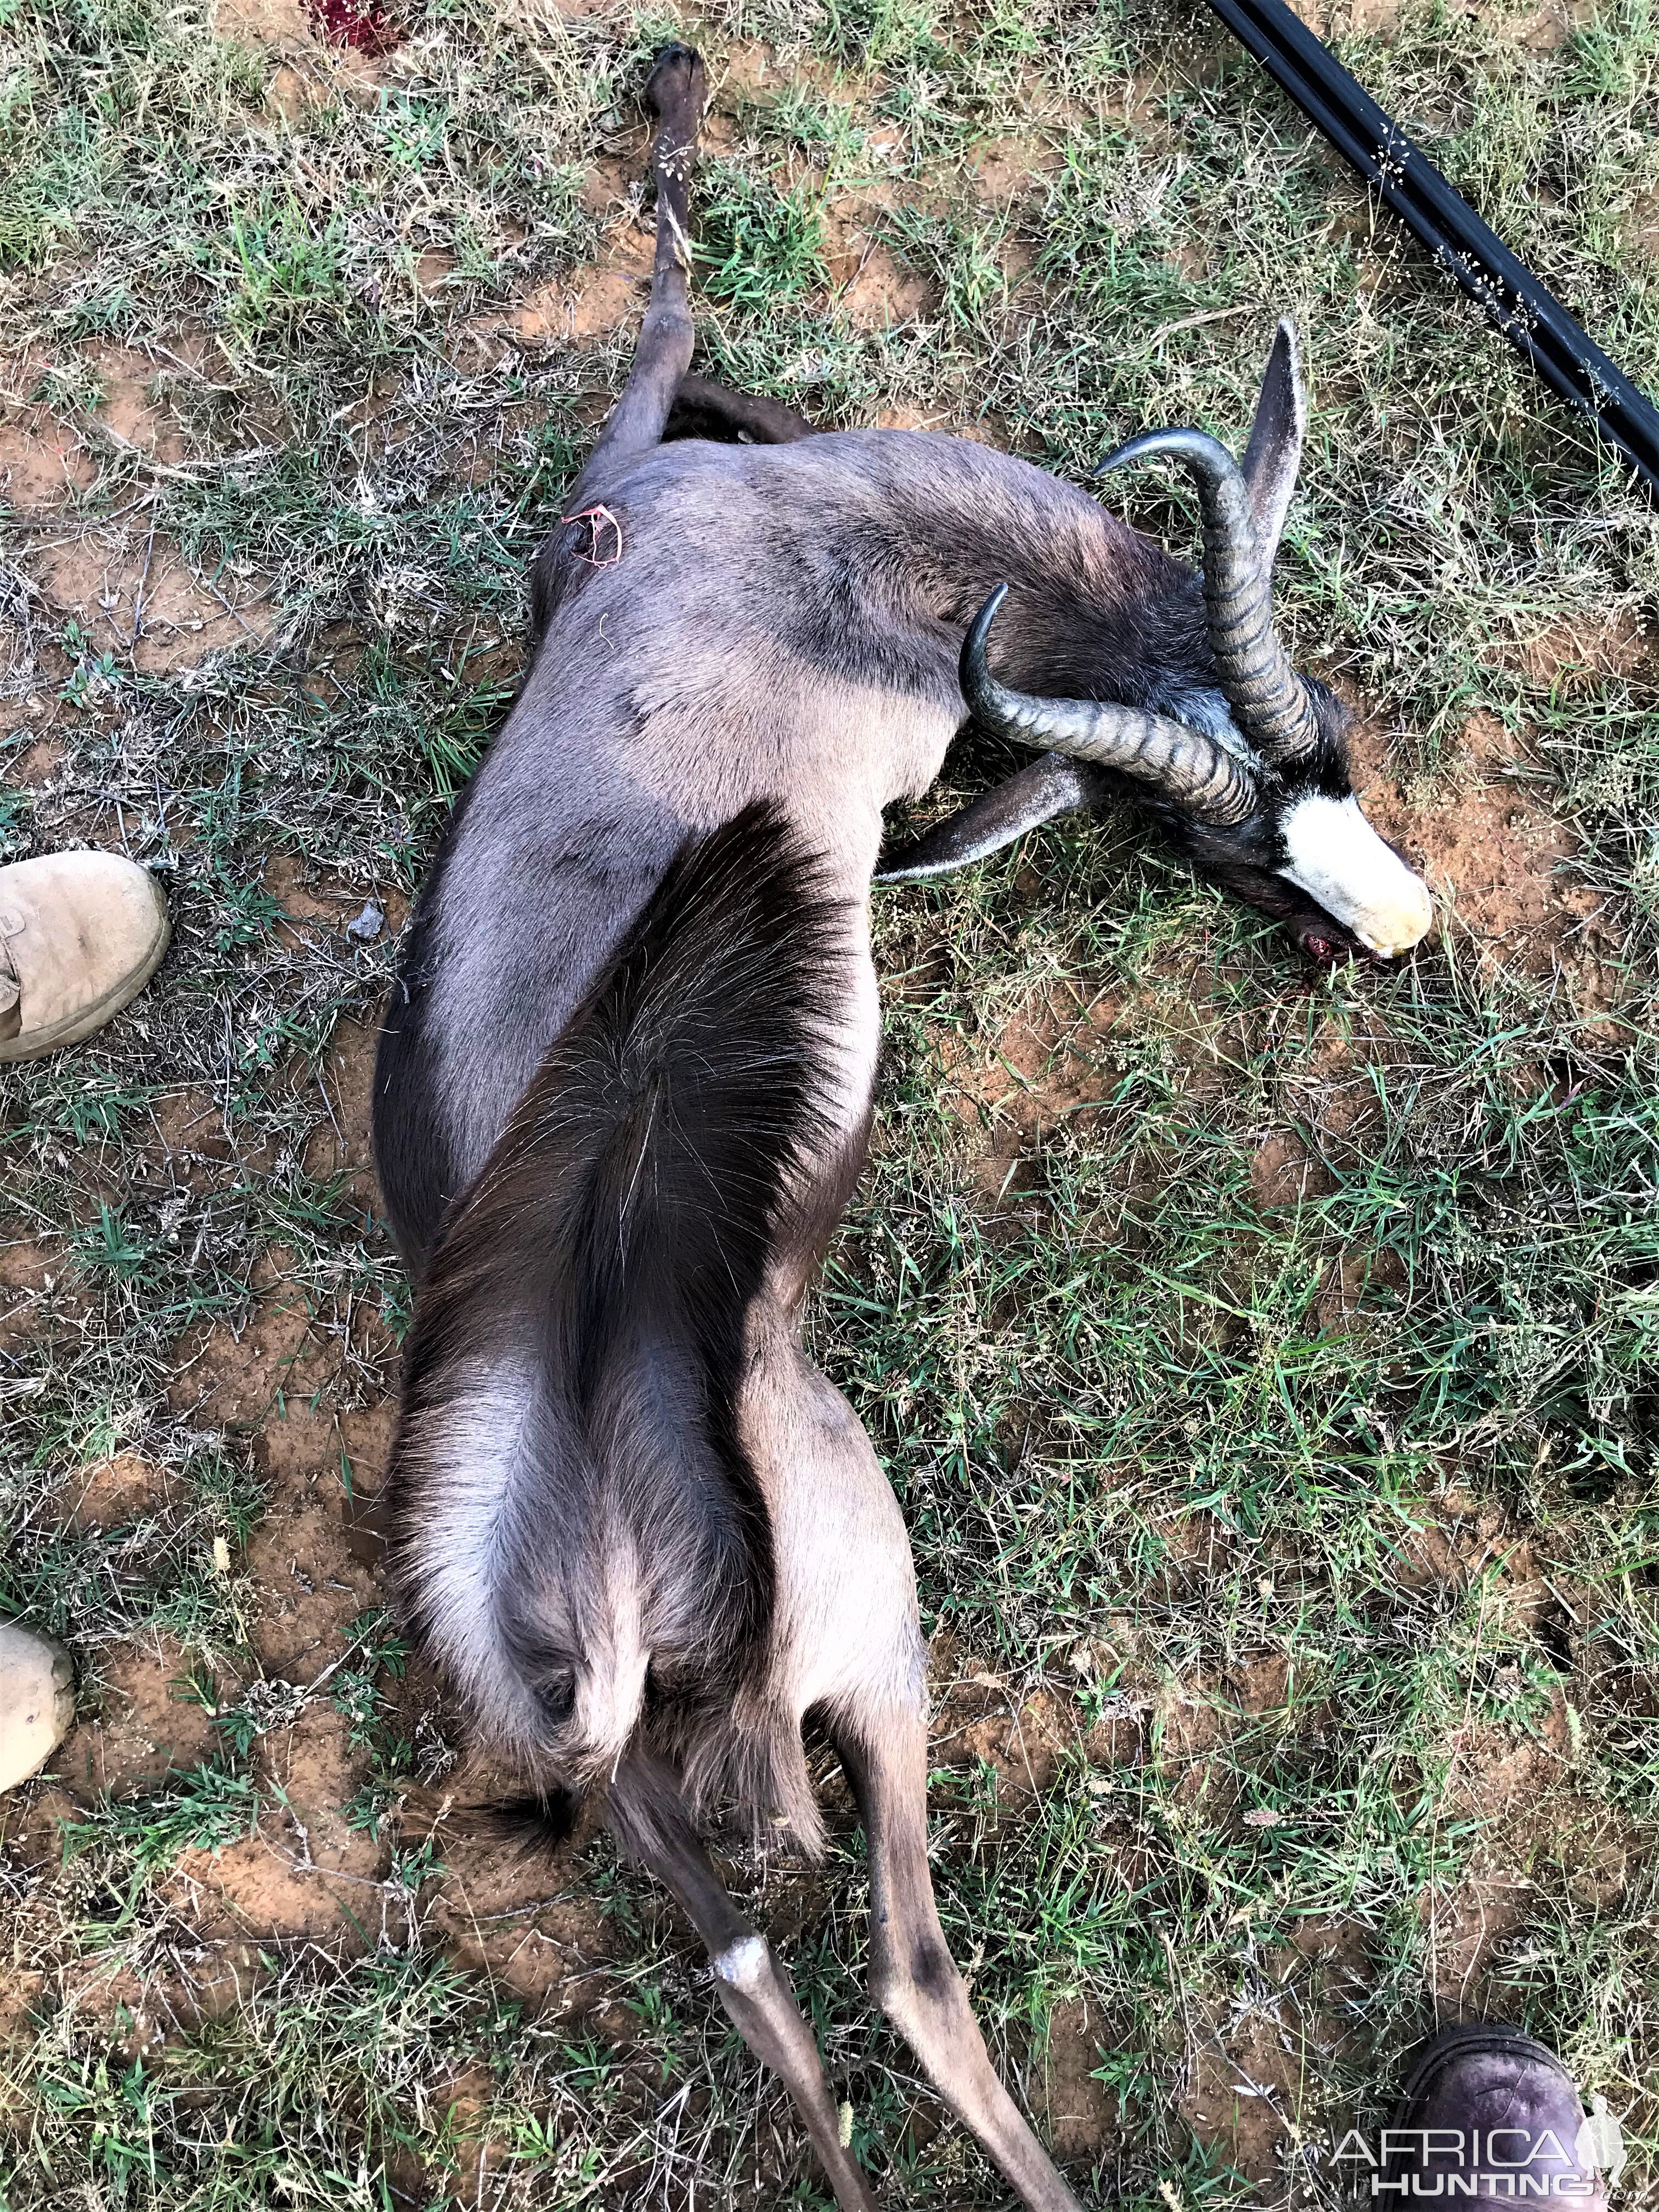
pixel 1255 781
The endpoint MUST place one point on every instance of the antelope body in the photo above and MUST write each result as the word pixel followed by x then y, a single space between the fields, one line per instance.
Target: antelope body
pixel 623 1095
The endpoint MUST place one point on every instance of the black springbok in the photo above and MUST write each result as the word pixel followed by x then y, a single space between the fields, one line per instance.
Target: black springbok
pixel 623 1092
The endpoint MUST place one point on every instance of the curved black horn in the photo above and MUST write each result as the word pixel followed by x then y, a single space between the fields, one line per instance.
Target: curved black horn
pixel 1264 691
pixel 1202 777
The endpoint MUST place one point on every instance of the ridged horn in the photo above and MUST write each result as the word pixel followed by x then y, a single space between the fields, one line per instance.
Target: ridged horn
pixel 1201 776
pixel 1267 695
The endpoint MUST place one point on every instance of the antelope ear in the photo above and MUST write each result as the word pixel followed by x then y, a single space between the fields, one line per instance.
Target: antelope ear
pixel 1275 452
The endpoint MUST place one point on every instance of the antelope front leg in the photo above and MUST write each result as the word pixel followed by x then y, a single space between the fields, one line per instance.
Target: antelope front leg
pixel 704 408
pixel 913 1977
pixel 653 1826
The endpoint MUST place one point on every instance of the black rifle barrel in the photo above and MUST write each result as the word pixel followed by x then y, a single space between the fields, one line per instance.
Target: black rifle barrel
pixel 1533 321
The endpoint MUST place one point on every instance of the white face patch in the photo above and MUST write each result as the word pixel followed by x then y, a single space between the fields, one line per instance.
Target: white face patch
pixel 1338 859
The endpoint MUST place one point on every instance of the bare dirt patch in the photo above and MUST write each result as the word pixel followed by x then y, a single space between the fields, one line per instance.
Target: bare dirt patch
pixel 601 297
pixel 1012 168
pixel 1240 2091
pixel 316 1576
pixel 1254 2083
pixel 136 595
pixel 307 1856
pixel 342 1145
pixel 107 1492
pixel 34 768
pixel 1046 1062
pixel 1492 849
pixel 128 588
pixel 1080 2114
pixel 587 305
pixel 1285 1173
pixel 528 1919
pixel 42 465
pixel 1575 654
pixel 46 458
pixel 190 1142
pixel 272 23
pixel 1540 30
pixel 1020 1739
pixel 133 411
pixel 141 1728
pixel 878 293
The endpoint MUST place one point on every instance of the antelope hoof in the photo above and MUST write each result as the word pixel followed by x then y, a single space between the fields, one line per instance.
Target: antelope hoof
pixel 677 75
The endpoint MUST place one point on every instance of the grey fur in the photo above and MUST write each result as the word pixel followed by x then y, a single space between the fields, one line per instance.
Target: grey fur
pixel 781 624
pixel 729 657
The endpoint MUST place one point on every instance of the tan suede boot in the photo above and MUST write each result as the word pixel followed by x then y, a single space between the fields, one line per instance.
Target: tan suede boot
pixel 37 1701
pixel 81 933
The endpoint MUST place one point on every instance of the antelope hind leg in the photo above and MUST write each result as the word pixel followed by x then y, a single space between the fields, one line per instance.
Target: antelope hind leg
pixel 847 1644
pixel 674 92
pixel 913 1976
pixel 651 1823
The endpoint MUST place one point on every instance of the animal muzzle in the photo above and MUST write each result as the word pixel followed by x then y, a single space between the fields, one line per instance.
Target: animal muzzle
pixel 1333 853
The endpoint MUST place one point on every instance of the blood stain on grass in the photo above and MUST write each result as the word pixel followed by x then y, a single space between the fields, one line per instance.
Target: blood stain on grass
pixel 359 24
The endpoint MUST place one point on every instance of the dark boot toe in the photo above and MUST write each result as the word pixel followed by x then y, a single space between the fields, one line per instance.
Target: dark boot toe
pixel 1488 2114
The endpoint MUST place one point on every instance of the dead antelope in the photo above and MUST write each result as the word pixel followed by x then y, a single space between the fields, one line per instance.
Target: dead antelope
pixel 623 1092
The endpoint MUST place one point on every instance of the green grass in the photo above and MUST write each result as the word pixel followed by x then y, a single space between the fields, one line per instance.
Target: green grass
pixel 758 246
pixel 1326 1529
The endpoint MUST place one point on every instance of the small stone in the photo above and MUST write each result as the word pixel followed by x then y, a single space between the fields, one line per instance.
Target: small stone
pixel 368 926
pixel 37 1701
